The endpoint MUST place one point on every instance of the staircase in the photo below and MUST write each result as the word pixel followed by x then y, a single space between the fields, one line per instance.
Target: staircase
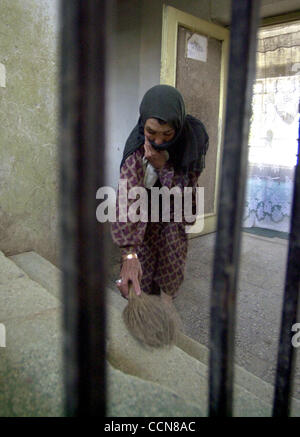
pixel 141 382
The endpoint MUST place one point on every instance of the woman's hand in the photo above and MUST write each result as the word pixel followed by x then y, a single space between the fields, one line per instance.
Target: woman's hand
pixel 156 158
pixel 131 272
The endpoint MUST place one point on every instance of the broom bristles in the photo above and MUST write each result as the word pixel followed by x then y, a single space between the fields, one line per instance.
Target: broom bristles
pixel 150 320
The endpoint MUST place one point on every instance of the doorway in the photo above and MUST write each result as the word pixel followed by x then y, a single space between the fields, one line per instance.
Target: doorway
pixel 194 59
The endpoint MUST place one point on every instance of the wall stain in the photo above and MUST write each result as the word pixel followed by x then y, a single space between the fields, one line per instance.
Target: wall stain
pixel 28 135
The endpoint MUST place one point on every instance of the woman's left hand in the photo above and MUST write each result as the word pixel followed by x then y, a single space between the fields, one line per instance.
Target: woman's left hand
pixel 156 158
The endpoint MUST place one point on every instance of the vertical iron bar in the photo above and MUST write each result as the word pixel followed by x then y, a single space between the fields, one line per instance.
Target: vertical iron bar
pixel 81 153
pixel 242 63
pixel 285 358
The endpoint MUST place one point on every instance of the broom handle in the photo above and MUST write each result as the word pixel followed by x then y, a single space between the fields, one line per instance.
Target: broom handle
pixel 131 291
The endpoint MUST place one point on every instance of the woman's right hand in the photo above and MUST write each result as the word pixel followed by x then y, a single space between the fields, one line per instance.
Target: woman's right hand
pixel 131 272
pixel 156 158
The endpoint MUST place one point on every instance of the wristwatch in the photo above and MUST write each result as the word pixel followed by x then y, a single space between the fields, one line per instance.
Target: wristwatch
pixel 130 256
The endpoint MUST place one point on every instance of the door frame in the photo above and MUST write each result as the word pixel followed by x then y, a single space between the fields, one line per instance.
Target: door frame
pixel 172 19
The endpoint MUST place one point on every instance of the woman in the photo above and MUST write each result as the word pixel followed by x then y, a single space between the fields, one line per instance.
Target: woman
pixel 165 149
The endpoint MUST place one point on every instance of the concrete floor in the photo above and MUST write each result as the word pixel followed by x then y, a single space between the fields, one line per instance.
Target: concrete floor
pixel 259 303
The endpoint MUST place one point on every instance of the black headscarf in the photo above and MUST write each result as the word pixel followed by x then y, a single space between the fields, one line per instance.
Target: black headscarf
pixel 188 147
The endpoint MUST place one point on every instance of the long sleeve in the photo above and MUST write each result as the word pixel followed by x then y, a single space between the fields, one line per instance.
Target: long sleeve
pixel 127 234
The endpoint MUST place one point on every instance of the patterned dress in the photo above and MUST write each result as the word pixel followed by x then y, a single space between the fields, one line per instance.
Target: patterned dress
pixel 160 246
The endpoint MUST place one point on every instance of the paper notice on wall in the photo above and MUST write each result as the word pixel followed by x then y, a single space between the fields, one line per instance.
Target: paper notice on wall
pixel 197 47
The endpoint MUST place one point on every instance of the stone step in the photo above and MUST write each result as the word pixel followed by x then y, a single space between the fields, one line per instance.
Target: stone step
pixel 171 368
pixel 30 364
pixel 260 392
pixel 130 396
pixel 31 367
pixel 252 395
pixel 40 270
pixel 20 296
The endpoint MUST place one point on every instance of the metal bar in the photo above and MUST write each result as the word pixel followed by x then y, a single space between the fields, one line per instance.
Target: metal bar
pixel 81 153
pixel 242 62
pixel 285 358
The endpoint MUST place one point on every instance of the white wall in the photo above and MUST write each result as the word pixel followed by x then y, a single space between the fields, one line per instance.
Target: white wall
pixel 123 69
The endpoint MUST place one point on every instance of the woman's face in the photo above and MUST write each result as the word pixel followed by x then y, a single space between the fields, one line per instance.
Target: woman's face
pixel 158 133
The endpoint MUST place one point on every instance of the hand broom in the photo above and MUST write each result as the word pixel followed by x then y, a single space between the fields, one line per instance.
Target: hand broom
pixel 151 320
